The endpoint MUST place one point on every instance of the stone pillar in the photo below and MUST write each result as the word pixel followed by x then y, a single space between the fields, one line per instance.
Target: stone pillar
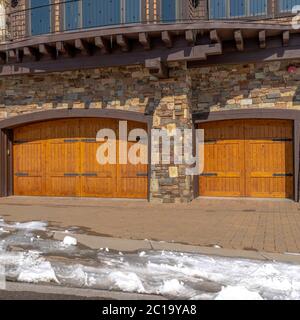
pixel 2 22
pixel 169 182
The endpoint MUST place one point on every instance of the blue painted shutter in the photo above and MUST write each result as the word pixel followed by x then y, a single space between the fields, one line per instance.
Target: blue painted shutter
pixel 101 13
pixel 72 15
pixel 132 11
pixel 287 5
pixel 217 9
pixel 168 10
pixel 237 8
pixel 40 17
pixel 258 7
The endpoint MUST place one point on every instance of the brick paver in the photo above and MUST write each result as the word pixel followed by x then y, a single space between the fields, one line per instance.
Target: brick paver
pixel 265 225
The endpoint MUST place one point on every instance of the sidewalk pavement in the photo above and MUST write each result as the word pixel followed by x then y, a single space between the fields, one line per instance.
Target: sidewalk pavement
pixel 250 225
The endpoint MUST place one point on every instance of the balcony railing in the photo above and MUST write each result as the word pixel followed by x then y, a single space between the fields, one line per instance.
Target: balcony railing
pixel 55 16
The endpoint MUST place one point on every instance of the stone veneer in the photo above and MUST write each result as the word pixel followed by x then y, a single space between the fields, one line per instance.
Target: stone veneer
pixel 170 101
pixel 263 85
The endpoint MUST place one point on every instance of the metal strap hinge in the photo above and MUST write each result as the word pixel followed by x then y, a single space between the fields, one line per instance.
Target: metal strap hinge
pixel 209 174
pixel 282 174
pixel 22 174
pixel 142 174
pixel 70 174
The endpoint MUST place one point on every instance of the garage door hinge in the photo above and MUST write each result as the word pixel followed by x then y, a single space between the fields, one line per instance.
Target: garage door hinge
pixel 89 140
pixel 209 174
pixel 210 141
pixel 281 139
pixel 71 174
pixel 90 174
pixel 20 141
pixel 142 174
pixel 21 174
pixel 282 174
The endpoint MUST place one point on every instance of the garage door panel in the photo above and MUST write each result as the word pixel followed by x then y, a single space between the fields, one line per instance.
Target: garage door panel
pixel 248 158
pixel 62 157
pixel 96 179
pixel 58 158
pixel 133 187
pixel 223 160
pixel 266 187
pixel 132 177
pixel 62 186
pixel 30 186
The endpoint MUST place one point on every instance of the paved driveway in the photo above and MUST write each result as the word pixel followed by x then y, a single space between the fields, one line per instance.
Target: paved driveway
pixel 264 225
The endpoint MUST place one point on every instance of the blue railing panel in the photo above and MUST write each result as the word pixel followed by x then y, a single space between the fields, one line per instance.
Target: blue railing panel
pixel 40 16
pixel 101 13
pixel 258 7
pixel 168 10
pixel 237 8
pixel 287 5
pixel 132 11
pixel 72 15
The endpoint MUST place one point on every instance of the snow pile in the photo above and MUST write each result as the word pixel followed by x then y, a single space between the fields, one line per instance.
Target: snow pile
pixel 171 287
pixel 237 293
pixel 32 225
pixel 27 267
pixel 69 241
pixel 40 271
pixel 128 281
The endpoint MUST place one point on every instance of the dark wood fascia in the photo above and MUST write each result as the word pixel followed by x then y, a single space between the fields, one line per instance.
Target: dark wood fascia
pixel 73 113
pixel 63 63
pixel 200 117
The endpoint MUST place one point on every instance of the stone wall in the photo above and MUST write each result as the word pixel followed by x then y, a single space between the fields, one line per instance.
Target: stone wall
pixel 268 85
pixel 127 88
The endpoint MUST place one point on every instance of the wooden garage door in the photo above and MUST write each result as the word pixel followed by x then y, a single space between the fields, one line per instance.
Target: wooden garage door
pixel 58 158
pixel 248 158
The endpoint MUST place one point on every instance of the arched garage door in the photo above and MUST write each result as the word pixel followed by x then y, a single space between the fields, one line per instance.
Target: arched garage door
pixel 248 158
pixel 58 158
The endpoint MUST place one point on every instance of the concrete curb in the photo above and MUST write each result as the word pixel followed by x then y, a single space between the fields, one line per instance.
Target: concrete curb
pixel 78 292
pixel 129 245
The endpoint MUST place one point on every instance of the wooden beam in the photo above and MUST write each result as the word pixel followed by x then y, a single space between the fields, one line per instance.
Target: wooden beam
pixel 285 38
pixel 60 48
pixel 262 39
pixel 122 41
pixel 214 37
pixel 266 55
pixel 185 53
pixel 84 45
pixel 145 40
pixel 157 68
pixel 32 51
pixel 167 39
pixel 239 40
pixel 66 48
pixel 102 43
pixel 3 56
pixel 190 36
pixel 46 49
pixel 12 54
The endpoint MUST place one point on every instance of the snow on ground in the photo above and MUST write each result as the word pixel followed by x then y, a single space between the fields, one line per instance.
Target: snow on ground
pixel 32 225
pixel 26 257
pixel 70 241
